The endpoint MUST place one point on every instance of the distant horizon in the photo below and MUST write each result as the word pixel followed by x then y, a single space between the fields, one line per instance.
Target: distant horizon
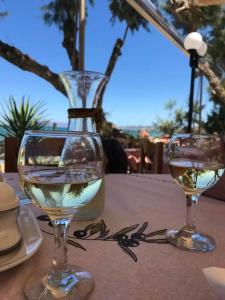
pixel 64 124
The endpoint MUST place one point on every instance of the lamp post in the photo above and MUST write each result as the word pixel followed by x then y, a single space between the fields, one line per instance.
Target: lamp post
pixel 194 44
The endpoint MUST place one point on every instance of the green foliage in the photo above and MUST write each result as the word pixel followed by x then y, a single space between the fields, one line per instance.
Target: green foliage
pixel 210 22
pixel 177 118
pixel 3 14
pixel 216 45
pixel 175 121
pixel 198 18
pixel 122 11
pixel 216 119
pixel 170 104
pixel 18 118
pixel 58 12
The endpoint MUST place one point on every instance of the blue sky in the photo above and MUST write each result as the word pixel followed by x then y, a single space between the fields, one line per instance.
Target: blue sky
pixel 150 71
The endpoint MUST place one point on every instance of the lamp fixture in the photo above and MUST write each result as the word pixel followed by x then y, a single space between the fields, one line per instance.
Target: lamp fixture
pixel 195 45
pixel 193 41
pixel 203 49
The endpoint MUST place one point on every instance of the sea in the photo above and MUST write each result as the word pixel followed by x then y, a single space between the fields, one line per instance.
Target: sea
pixel 133 131
pixel 63 128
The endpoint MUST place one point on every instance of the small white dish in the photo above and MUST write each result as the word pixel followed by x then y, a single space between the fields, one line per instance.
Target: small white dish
pixel 32 239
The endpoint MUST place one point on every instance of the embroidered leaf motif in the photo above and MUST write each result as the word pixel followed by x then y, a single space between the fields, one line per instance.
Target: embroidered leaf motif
pixel 126 238
pixel 73 243
pixel 43 218
pixel 129 252
pixel 103 230
pixel 143 227
pixel 95 228
pixel 158 232
pixel 157 241
pixel 122 232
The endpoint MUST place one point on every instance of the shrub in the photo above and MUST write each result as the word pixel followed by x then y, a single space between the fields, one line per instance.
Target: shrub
pixel 16 118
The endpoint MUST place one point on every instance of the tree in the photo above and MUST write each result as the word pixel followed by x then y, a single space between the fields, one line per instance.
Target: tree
pixel 210 21
pixel 216 119
pixel 64 15
pixel 177 118
pixel 175 121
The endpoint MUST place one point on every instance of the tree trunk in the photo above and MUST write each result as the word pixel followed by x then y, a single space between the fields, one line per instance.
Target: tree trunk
pixel 214 81
pixel 100 118
pixel 70 30
pixel 25 62
pixel 112 63
pixel 69 43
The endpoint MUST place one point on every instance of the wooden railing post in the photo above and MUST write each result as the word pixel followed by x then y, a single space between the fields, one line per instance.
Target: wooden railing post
pixel 158 158
pixel 11 154
pixel 142 159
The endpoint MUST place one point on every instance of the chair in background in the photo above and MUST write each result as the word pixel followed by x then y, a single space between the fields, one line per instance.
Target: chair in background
pixel 153 152
pixel 218 190
pixel 133 158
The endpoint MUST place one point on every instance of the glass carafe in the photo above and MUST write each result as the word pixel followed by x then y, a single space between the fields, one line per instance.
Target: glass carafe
pixel 83 89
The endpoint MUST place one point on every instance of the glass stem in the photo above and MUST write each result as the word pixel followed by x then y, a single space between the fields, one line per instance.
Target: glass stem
pixel 61 229
pixel 191 201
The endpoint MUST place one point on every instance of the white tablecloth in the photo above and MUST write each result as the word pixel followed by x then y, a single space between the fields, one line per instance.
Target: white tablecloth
pixel 162 272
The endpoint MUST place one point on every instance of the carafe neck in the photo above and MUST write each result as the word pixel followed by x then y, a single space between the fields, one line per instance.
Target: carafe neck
pixel 82 119
pixel 81 124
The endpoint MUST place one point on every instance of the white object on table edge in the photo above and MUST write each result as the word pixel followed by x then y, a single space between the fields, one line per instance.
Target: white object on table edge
pixel 216 279
pixel 32 239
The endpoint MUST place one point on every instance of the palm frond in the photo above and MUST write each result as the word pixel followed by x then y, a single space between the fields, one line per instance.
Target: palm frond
pixel 16 118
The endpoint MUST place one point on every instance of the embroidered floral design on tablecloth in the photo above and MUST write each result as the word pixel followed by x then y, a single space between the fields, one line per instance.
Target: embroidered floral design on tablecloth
pixel 126 238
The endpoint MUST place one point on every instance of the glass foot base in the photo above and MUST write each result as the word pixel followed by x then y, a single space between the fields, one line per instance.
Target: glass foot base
pixel 191 241
pixel 77 286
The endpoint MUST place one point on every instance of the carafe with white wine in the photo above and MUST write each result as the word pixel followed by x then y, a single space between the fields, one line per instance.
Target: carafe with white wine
pixel 83 89
pixel 196 162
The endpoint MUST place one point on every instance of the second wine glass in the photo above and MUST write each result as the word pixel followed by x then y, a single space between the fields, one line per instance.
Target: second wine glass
pixel 196 162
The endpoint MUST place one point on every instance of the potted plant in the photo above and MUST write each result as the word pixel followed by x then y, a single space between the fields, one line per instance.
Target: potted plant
pixel 16 118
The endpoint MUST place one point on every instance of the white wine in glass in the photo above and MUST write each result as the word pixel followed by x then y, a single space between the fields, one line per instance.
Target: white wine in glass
pixel 60 172
pixel 196 163
pixel 59 194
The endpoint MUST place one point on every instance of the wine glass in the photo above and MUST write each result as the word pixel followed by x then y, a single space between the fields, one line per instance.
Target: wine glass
pixel 60 172
pixel 196 162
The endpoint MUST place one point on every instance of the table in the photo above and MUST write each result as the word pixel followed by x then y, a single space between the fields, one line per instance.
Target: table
pixel 162 272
